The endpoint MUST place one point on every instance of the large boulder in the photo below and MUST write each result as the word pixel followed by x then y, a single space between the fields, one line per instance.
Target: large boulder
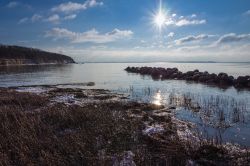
pixel 225 80
pixel 242 81
pixel 196 77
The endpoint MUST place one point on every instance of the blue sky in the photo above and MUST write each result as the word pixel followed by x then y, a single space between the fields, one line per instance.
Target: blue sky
pixel 128 30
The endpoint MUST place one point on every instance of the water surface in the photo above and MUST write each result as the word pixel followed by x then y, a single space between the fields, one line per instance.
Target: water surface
pixel 222 113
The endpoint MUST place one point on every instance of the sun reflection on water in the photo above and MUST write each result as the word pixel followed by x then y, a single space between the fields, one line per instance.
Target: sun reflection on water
pixel 157 98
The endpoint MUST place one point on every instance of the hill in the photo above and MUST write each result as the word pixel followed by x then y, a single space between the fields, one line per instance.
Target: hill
pixel 16 55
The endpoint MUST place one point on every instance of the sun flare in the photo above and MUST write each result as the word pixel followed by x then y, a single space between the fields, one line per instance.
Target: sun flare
pixel 160 19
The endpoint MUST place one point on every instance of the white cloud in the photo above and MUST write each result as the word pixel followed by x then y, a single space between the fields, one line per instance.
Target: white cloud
pixel 171 34
pixel 73 7
pixel 169 22
pixel 184 22
pixel 70 17
pixel 191 39
pixel 226 40
pixel 193 15
pixel 92 3
pixel 55 18
pixel 232 37
pixel 247 13
pixel 60 33
pixel 92 36
pixel 12 4
pixel 36 17
pixel 23 20
pixel 174 15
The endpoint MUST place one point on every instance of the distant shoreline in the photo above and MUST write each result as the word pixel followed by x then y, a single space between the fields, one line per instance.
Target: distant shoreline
pixel 16 55
pixel 40 64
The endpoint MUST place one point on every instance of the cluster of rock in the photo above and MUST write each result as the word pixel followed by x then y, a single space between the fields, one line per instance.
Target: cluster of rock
pixel 221 79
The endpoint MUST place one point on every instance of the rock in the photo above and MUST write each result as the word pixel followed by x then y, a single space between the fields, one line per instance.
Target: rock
pixel 222 79
pixel 196 71
pixel 175 70
pixel 203 78
pixel 221 75
pixel 205 73
pixel 155 73
pixel 190 73
pixel 90 84
pixel 242 81
pixel 196 77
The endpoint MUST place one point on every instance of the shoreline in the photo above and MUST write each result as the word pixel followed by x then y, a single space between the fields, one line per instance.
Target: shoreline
pixel 40 64
pixel 99 126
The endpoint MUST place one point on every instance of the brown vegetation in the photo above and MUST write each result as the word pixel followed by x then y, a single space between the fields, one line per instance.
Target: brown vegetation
pixel 35 131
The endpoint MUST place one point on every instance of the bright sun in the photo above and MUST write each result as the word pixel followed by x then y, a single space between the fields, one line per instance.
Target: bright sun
pixel 160 19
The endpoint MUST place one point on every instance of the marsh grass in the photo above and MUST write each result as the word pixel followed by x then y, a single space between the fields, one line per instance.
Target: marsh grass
pixel 100 133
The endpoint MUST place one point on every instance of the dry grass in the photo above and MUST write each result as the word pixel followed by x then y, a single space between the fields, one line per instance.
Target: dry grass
pixel 96 134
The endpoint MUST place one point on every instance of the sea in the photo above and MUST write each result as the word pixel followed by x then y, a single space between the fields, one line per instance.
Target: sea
pixel 221 114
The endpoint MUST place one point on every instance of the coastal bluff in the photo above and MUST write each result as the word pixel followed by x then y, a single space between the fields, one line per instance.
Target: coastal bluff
pixel 16 55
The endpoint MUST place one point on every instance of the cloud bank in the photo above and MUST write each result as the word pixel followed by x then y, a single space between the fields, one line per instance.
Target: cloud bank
pixel 92 36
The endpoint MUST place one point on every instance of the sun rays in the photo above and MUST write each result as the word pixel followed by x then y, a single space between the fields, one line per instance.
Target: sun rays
pixel 159 17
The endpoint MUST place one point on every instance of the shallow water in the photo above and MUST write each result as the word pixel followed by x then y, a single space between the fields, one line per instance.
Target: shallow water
pixel 222 113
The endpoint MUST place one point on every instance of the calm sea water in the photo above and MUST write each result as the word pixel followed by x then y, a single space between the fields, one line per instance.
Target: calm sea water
pixel 224 113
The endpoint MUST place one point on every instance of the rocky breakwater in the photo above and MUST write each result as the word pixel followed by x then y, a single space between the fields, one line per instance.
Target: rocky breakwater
pixel 220 80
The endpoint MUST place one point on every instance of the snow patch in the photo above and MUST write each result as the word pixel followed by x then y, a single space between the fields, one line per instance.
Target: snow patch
pixel 153 129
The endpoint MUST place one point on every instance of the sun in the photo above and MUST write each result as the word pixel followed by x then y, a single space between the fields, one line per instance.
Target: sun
pixel 160 19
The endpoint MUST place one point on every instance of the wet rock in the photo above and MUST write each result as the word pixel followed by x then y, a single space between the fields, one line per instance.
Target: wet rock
pixel 242 81
pixel 190 73
pixel 205 73
pixel 203 78
pixel 90 84
pixel 221 80
pixel 174 76
pixel 196 71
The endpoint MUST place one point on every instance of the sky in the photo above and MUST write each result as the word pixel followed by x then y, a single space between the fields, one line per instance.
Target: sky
pixel 131 30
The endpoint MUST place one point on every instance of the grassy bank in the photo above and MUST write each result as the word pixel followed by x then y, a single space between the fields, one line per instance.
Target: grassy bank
pixel 96 127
